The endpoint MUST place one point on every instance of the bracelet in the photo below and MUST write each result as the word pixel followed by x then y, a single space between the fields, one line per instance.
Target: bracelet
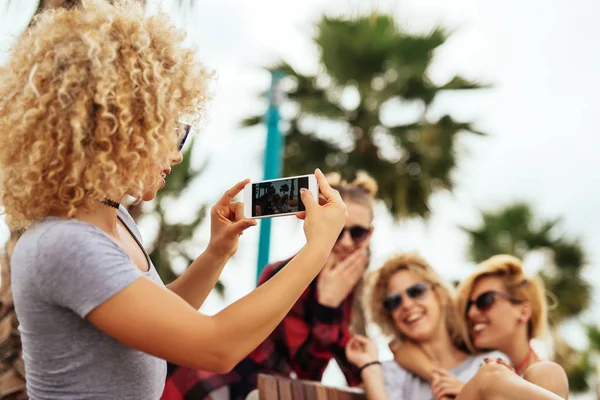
pixel 360 370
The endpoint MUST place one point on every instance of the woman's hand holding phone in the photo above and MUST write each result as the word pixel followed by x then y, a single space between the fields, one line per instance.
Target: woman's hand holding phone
pixel 323 222
pixel 227 222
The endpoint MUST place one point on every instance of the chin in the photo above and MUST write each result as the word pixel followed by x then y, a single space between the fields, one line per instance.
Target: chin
pixel 149 195
pixel 483 343
pixel 420 335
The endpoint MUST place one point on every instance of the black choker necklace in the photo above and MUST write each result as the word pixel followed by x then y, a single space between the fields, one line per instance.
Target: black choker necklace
pixel 111 203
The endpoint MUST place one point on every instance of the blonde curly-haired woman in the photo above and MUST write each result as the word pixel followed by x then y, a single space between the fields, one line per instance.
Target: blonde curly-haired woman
pixel 90 100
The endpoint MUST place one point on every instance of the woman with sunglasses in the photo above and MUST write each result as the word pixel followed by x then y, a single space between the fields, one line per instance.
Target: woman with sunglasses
pixel 410 302
pixel 89 103
pixel 317 328
pixel 504 310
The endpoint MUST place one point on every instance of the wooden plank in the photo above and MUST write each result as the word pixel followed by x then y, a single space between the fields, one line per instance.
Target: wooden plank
pixel 267 387
pixel 323 393
pixel 285 389
pixel 310 392
pixel 297 390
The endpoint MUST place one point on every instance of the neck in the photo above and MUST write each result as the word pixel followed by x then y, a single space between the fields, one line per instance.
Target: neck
pixel 517 350
pixel 104 217
pixel 442 351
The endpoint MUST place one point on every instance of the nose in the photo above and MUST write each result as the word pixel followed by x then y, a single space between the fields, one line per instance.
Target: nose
pixel 176 158
pixel 345 241
pixel 407 302
pixel 473 312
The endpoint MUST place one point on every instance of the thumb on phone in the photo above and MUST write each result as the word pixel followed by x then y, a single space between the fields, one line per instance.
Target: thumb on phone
pixel 308 199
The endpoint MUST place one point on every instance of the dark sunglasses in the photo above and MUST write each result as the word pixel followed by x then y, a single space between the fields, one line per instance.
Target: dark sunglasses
pixel 357 233
pixel 486 300
pixel 416 291
pixel 182 131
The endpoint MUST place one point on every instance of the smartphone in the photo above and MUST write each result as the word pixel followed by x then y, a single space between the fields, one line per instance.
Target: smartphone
pixel 278 197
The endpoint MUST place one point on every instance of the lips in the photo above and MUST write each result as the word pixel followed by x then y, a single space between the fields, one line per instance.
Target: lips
pixel 479 327
pixel 413 318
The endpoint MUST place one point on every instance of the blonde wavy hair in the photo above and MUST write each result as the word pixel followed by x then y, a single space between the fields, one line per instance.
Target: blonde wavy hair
pixel 516 283
pixel 445 294
pixel 361 190
pixel 89 102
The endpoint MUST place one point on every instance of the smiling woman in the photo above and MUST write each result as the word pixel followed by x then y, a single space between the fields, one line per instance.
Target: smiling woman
pixel 504 309
pixel 410 302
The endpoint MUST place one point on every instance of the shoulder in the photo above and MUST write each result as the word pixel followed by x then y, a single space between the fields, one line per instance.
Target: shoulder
pixel 65 244
pixel 549 375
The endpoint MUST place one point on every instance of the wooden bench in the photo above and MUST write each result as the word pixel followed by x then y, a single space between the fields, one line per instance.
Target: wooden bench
pixel 277 388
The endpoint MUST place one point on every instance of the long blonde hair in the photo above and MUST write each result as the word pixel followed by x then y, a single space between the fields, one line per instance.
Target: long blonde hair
pixel 445 294
pixel 89 101
pixel 516 283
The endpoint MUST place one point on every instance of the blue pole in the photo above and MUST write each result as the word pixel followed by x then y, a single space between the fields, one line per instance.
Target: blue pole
pixel 273 155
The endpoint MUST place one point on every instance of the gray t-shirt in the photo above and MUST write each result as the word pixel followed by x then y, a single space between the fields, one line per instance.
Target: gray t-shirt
pixel 61 270
pixel 403 385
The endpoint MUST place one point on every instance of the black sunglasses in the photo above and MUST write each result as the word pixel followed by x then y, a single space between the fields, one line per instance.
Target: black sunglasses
pixel 182 131
pixel 357 233
pixel 416 291
pixel 486 300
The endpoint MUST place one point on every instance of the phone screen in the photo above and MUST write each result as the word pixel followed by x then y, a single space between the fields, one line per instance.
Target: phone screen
pixel 280 196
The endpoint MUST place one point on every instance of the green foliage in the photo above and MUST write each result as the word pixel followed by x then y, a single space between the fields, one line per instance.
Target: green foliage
pixel 372 56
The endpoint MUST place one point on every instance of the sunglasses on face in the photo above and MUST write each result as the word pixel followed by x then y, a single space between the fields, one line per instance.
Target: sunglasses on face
pixel 486 300
pixel 415 292
pixel 182 131
pixel 357 233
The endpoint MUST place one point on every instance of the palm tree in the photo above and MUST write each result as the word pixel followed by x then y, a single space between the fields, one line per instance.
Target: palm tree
pixel 172 242
pixel 284 188
pixel 371 60
pixel 515 230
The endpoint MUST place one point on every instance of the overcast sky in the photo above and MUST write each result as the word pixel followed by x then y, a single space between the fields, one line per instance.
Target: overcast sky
pixel 541 115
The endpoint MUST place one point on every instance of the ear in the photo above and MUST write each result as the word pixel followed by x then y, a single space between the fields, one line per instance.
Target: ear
pixel 525 313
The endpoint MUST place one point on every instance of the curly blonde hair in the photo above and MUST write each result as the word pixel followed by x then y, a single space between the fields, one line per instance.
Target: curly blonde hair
pixel 517 284
pixel 415 263
pixel 89 102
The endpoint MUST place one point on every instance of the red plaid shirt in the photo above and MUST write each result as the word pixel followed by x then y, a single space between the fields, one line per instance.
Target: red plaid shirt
pixel 303 343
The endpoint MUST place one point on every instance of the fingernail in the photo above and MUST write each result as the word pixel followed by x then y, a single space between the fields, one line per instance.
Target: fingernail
pixel 302 190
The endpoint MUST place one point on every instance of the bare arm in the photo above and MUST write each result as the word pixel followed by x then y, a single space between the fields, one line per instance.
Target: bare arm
pixel 196 283
pixel 372 377
pixel 496 382
pixel 155 320
pixel 361 351
pixel 550 376
pixel 227 224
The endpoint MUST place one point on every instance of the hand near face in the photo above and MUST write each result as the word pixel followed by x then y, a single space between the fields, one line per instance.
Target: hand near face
pixel 338 279
pixel 361 351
